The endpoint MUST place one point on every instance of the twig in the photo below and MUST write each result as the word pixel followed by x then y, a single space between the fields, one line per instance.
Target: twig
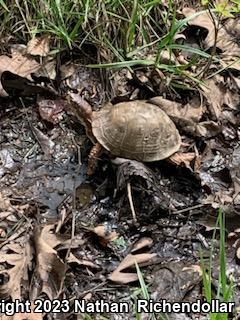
pixel 189 208
pixel 70 243
pixel 130 199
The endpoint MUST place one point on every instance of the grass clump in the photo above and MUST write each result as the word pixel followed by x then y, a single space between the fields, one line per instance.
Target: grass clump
pixel 225 290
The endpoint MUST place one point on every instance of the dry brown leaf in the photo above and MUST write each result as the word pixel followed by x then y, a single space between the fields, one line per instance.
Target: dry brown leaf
pixel 142 243
pixel 39 46
pixel 225 41
pixel 215 96
pixel 192 111
pixel 103 232
pixel 17 64
pixel 208 129
pixel 119 276
pixel 19 257
pixel 181 158
pixel 46 144
pixel 129 262
pixel 50 269
pixel 5 204
pixel 82 262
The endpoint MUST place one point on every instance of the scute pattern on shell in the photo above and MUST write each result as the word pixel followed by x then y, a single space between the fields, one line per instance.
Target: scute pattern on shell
pixel 136 130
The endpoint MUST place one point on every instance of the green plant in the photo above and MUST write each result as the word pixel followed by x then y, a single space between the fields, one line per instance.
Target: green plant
pixel 226 9
pixel 143 293
pixel 225 290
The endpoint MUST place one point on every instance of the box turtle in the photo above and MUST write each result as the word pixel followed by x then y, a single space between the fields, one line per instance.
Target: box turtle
pixel 134 130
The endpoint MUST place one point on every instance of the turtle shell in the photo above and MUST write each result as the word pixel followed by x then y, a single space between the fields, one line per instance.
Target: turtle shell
pixel 136 130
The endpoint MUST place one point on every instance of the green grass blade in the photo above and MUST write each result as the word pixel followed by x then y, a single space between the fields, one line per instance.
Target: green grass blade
pixel 3 4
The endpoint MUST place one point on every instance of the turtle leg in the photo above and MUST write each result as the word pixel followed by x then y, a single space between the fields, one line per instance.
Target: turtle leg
pixel 93 158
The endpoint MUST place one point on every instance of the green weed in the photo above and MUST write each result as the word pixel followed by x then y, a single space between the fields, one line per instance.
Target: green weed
pixel 225 290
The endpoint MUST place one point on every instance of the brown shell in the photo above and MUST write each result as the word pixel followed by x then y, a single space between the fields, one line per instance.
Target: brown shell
pixel 136 130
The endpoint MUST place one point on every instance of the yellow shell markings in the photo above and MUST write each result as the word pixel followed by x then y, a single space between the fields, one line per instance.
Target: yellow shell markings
pixel 136 130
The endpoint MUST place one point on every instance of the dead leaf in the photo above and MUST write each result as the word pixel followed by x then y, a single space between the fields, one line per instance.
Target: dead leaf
pixel 215 96
pixel 207 129
pixel 19 257
pixel 105 233
pixel 39 46
pixel 17 64
pixel 50 269
pixel 46 144
pixel 225 42
pixel 15 85
pixel 142 243
pixel 185 159
pixel 119 276
pixel 82 262
pixel 192 111
pixel 128 169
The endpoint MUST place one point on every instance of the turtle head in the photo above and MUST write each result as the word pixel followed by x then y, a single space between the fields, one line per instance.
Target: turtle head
pixel 82 111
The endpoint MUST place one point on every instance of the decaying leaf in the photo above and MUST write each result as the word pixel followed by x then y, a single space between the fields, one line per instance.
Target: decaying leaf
pixel 225 42
pixel 105 233
pixel 217 95
pixel 82 262
pixel 47 145
pixel 174 280
pixel 15 85
pixel 130 261
pixel 17 64
pixel 131 168
pixel 207 129
pixel 180 158
pixel 50 269
pixel 19 257
pixel 192 111
pixel 39 46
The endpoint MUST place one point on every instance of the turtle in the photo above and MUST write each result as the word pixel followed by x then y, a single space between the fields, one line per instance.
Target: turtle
pixel 136 130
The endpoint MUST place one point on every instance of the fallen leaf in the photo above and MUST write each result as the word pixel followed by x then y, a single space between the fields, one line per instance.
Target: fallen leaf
pixel 15 85
pixel 225 42
pixel 19 257
pixel 105 233
pixel 119 276
pixel 215 96
pixel 192 111
pixel 82 262
pixel 46 144
pixel 142 243
pixel 39 46
pixel 50 269
pixel 128 169
pixel 207 129
pixel 180 158
pixel 17 64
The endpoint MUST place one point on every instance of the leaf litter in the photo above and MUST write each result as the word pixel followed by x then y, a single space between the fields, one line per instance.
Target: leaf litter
pixel 64 235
